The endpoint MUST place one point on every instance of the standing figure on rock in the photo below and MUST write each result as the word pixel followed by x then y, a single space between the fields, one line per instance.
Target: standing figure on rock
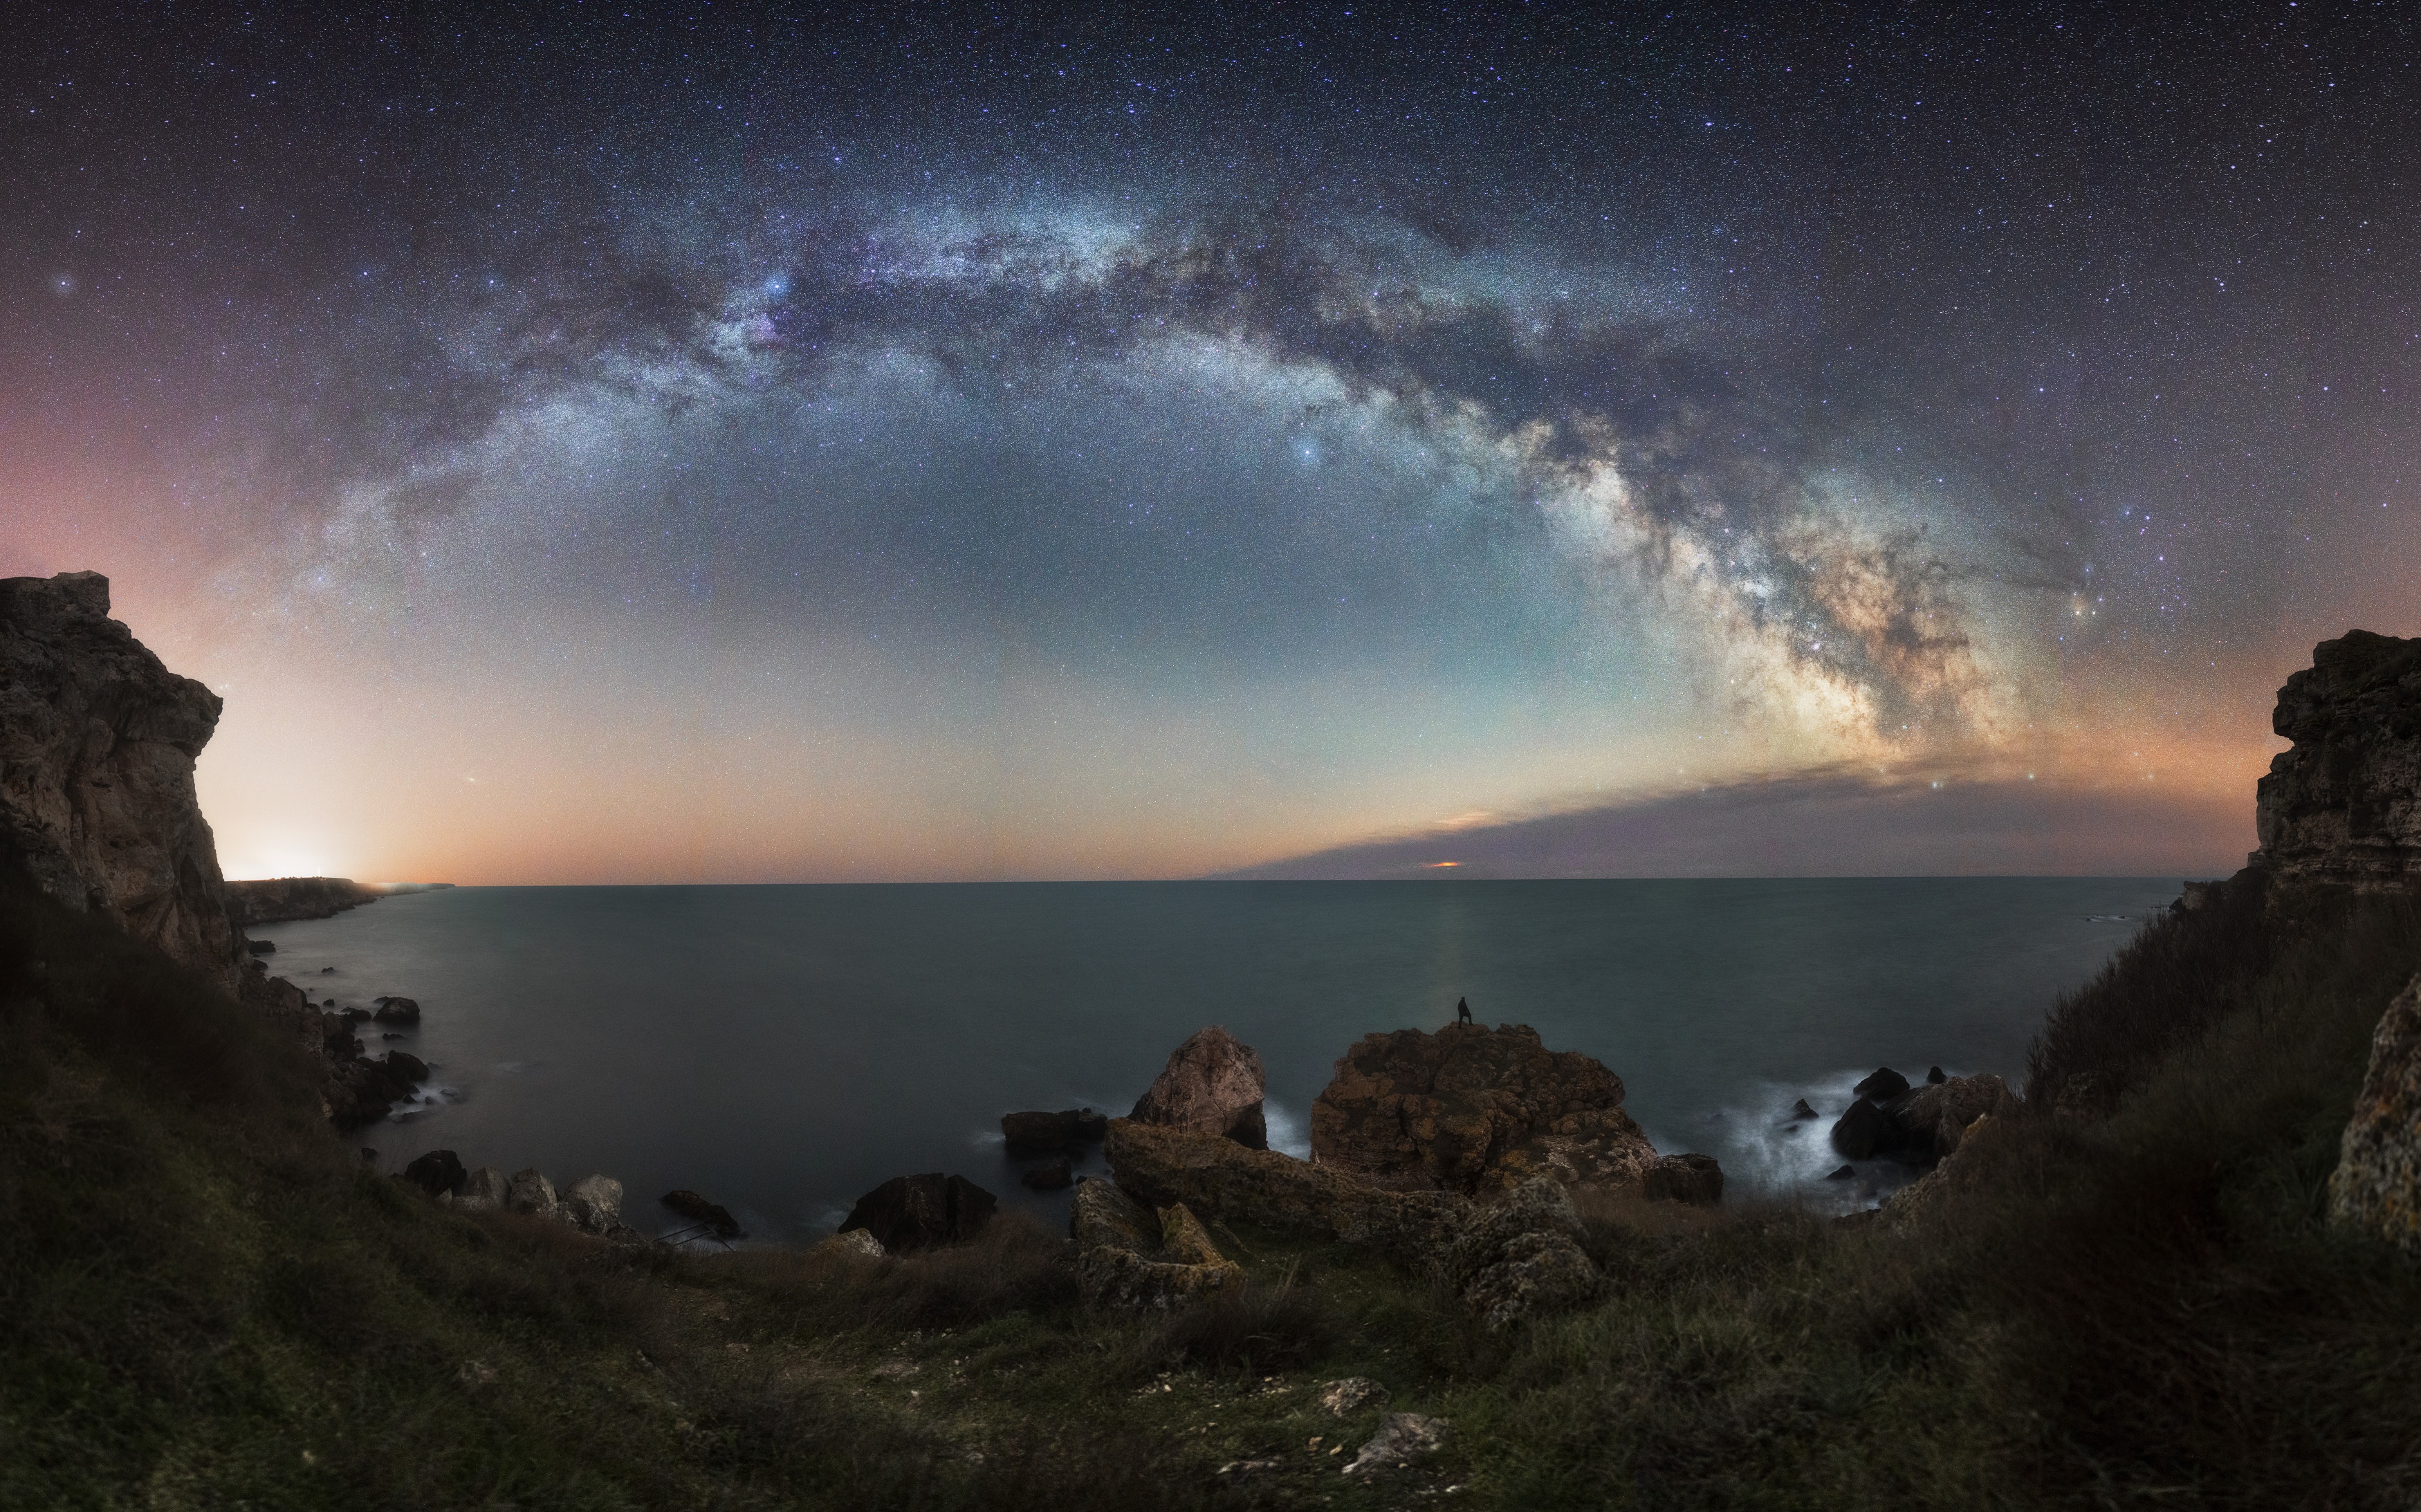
pixel 1463 1010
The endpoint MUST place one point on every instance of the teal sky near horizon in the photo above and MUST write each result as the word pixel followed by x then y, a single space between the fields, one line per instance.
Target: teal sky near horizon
pixel 1592 442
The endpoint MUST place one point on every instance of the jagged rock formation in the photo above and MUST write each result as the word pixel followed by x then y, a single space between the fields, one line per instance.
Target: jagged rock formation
pixel 275 901
pixel 1212 1084
pixel 97 748
pixel 2377 1184
pixel 2344 805
pixel 1471 1109
pixel 1217 1176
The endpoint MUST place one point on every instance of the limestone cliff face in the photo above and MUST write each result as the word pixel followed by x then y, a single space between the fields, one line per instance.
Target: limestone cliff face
pixel 97 748
pixel 2344 806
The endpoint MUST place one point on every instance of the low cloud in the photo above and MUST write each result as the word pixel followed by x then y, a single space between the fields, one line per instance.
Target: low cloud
pixel 1833 824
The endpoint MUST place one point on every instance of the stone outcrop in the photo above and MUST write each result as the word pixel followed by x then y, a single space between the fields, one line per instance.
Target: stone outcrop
pixel 1130 1257
pixel 1471 1109
pixel 275 901
pixel 593 1204
pixel 2343 806
pixel 917 1212
pixel 1217 1176
pixel 438 1171
pixel 483 1191
pixel 1212 1084
pixel 97 748
pixel 2377 1185
pixel 1521 1256
pixel 1048 1133
pixel 1917 1125
pixel 1404 1436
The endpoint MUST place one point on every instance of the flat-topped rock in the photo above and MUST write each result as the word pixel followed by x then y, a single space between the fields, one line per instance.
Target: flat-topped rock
pixel 1470 1109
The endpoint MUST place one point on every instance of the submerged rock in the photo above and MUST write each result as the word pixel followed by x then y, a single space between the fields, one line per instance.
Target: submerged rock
pixel 1692 1178
pixel 2376 1188
pixel 915 1212
pixel 397 1010
pixel 1053 1176
pixel 1882 1085
pixel 1919 1126
pixel 1047 1133
pixel 1471 1109
pixel 1212 1084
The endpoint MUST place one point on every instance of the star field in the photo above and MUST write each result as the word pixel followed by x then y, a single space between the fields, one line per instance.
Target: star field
pixel 674 444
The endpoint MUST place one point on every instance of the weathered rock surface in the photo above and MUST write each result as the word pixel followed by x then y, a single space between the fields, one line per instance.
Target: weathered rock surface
pixel 1212 1084
pixel 1470 1109
pixel 2377 1185
pixel 1219 1178
pixel 360 1090
pixel 437 1171
pixel 275 901
pixel 531 1192
pixel 1520 1257
pixel 1132 1258
pixel 1048 1133
pixel 1343 1398
pixel 593 1204
pixel 2343 804
pixel 397 1010
pixel 1697 1179
pixel 917 1212
pixel 1403 1438
pixel 97 748
pixel 1961 1170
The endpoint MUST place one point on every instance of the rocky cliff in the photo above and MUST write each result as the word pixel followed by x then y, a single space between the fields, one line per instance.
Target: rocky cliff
pixel 97 748
pixel 2344 805
pixel 275 901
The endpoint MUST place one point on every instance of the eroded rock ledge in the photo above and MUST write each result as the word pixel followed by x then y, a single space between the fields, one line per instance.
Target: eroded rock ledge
pixel 2343 808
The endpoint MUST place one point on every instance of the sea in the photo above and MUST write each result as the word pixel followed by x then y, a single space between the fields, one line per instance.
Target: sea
pixel 783 1050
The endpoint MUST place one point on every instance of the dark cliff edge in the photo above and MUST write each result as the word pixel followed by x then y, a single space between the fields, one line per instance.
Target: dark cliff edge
pixel 280 900
pixel 2127 1291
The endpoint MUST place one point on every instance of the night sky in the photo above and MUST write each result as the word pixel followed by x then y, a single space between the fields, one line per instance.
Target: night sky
pixel 602 444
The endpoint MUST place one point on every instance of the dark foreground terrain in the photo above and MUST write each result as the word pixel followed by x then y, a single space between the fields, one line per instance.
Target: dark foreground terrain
pixel 206 1300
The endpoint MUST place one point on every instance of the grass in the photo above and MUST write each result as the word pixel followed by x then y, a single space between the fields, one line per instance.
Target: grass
pixel 206 1301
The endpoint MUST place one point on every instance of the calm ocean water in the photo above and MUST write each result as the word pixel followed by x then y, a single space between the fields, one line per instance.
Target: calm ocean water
pixel 784 1049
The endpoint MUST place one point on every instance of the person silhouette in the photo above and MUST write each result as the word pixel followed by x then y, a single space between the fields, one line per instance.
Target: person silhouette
pixel 1463 1010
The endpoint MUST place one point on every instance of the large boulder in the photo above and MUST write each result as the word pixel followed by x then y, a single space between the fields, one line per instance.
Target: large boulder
pixel 1221 1179
pixel 711 1216
pixel 483 1191
pixel 2376 1188
pixel 1521 1256
pixel 1471 1109
pixel 917 1212
pixel 2343 804
pixel 1130 1257
pixel 1212 1084
pixel 397 1010
pixel 97 747
pixel 593 1204
pixel 531 1192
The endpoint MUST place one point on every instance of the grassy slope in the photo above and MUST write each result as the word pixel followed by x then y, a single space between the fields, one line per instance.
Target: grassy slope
pixel 204 1300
